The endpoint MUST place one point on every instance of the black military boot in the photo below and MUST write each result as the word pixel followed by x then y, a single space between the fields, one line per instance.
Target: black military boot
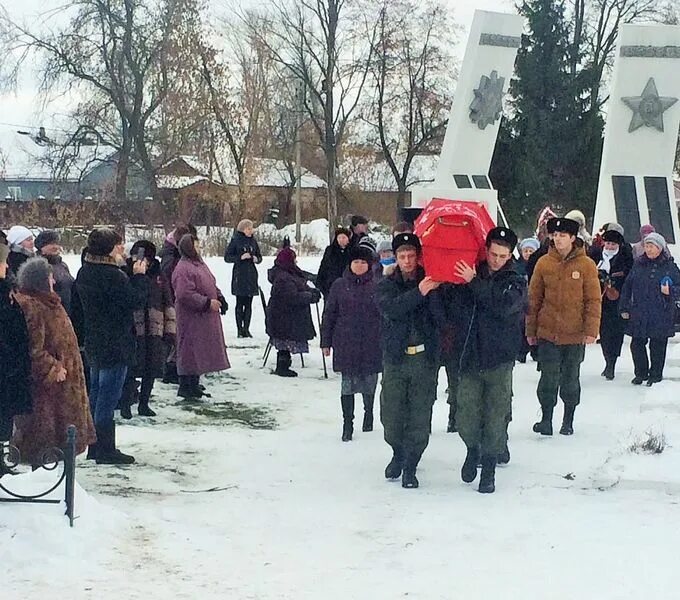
pixel 395 466
pixel 347 403
pixel 487 480
pixel 544 426
pixel 609 368
pixel 468 472
pixel 451 425
pixel 368 413
pixel 283 363
pixel 408 477
pixel 568 421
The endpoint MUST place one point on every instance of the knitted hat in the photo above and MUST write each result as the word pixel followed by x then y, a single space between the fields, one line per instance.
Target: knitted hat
pixel 47 238
pixel 361 253
pixel 530 242
pixel 611 235
pixel 102 241
pixel 286 257
pixel 405 239
pixel 502 235
pixel 187 247
pixel 34 275
pixel 366 242
pixel 657 239
pixel 645 230
pixel 563 225
pixel 18 234
pixel 4 253
pixel 384 246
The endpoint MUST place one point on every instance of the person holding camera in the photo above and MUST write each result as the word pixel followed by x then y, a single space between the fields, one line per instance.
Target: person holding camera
pixel 108 298
pixel 289 316
pixel 198 305
pixel 647 304
pixel 614 262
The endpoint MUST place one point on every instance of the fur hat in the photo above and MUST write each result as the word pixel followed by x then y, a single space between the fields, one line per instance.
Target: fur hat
pixel 502 235
pixel 362 253
pixel 657 239
pixel 148 247
pixel 4 253
pixel 18 234
pixel 102 241
pixel 342 231
pixel 614 227
pixel 612 235
pixel 405 239
pixel 563 225
pixel 47 238
pixel 34 275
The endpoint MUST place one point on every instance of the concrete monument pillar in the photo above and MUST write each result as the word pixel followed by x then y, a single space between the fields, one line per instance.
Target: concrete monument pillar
pixel 641 133
pixel 488 65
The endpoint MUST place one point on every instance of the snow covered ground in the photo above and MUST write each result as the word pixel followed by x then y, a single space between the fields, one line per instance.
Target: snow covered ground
pixel 252 495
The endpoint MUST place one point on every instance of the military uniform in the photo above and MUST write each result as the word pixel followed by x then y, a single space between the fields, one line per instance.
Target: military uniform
pixel 410 366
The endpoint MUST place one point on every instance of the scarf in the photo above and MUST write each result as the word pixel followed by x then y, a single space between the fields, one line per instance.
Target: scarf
pixel 605 263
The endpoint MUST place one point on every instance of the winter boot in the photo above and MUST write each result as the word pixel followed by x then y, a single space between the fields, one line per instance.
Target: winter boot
pixel 92 452
pixel 408 477
pixel 638 380
pixel 283 362
pixel 347 403
pixel 468 472
pixel 609 368
pixel 170 374
pixel 487 480
pixel 395 466
pixel 144 397
pixel 451 425
pixel 544 426
pixel 568 421
pixel 368 413
pixel 187 389
pixel 504 456
pixel 107 453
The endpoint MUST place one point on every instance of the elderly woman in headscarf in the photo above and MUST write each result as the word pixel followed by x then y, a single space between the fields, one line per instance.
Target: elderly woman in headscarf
pixel 614 262
pixel 647 304
pixel 21 247
pixel 289 317
pixel 244 253
pixel 57 378
pixel 198 304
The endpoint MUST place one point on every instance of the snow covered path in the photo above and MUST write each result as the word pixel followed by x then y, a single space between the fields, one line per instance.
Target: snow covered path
pixel 297 514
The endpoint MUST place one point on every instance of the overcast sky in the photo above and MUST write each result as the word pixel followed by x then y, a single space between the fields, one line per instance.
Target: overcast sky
pixel 22 107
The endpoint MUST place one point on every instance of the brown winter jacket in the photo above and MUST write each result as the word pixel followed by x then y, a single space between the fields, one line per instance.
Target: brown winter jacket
pixel 564 298
pixel 56 405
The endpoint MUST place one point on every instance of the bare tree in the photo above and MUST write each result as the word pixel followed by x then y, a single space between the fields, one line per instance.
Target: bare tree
pixel 412 82
pixel 116 49
pixel 326 45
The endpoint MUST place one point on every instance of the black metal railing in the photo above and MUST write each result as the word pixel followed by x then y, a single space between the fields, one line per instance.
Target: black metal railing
pixel 61 461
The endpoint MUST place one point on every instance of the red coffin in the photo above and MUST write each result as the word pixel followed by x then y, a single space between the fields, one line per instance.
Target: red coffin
pixel 449 231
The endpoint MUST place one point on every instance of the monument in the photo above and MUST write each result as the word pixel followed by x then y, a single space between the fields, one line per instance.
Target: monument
pixel 641 133
pixel 465 160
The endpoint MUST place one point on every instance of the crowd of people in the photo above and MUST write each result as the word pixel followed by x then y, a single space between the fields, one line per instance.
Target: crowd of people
pixel 76 349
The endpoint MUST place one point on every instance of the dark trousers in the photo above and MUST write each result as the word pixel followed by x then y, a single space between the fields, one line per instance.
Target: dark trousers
pixel 244 312
pixel 130 393
pixel 560 372
pixel 106 389
pixel 651 367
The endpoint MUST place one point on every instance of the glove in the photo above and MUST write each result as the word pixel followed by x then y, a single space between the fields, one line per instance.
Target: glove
pixel 224 307
pixel 316 295
pixel 612 293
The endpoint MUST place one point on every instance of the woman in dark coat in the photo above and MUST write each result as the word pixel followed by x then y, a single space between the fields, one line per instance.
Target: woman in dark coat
pixel 155 330
pixel 57 378
pixel 15 361
pixel 289 317
pixel 21 248
pixel 244 253
pixel 351 327
pixel 48 245
pixel 647 303
pixel 335 260
pixel 614 262
pixel 198 305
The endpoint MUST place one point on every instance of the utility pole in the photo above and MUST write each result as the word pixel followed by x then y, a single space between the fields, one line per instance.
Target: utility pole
pixel 300 98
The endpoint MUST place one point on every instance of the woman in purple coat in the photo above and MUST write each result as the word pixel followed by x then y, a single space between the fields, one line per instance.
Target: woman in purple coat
pixel 198 305
pixel 351 326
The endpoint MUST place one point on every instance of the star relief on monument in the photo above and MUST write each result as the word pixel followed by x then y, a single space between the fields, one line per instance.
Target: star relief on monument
pixel 648 108
pixel 487 106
